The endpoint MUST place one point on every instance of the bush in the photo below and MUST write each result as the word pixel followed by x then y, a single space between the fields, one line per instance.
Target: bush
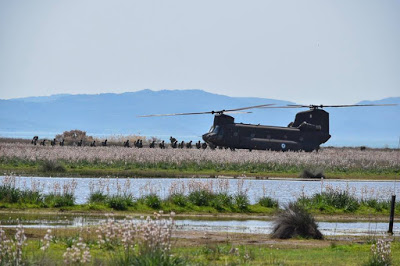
pixel 178 199
pixel 222 201
pixel 294 221
pixel 120 202
pixel 312 173
pixel 152 201
pixel 377 205
pixel 73 136
pixel 10 194
pixel 331 199
pixel 268 202
pixel 242 202
pixel 200 197
pixel 98 197
pixel 52 166
pixel 59 200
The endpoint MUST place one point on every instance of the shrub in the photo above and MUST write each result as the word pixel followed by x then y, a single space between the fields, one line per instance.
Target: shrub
pixel 222 201
pixel 312 173
pixel 331 199
pixel 98 197
pixel 73 136
pixel 59 200
pixel 200 197
pixel 241 202
pixel 268 202
pixel 52 166
pixel 120 202
pixel 377 205
pixel 178 199
pixel 152 201
pixel 294 221
pixel 9 194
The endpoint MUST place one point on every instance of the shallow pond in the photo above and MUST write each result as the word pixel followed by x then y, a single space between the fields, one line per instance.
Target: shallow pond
pixel 282 190
pixel 250 226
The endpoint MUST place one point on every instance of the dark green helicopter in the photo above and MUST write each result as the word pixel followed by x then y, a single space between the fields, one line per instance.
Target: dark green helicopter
pixel 307 132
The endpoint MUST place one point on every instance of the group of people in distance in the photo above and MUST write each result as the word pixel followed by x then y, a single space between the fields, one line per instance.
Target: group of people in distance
pixel 137 143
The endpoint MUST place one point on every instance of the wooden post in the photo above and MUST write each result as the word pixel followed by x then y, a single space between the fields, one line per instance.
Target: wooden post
pixel 392 206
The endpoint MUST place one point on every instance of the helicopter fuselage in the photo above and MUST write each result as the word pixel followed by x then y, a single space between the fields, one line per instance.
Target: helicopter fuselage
pixel 309 130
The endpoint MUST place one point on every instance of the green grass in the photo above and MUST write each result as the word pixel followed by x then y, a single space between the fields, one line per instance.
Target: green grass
pixel 225 254
pixel 349 254
pixel 339 202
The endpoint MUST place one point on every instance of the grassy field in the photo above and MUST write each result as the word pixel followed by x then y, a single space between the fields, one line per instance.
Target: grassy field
pixel 132 162
pixel 125 243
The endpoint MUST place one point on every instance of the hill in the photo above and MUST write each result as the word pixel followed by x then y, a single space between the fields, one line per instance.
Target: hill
pixel 116 114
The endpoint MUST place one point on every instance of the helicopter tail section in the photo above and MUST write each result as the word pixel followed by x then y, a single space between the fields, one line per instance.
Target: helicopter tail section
pixel 316 118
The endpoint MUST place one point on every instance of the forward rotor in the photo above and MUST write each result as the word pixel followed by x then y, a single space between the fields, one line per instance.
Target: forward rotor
pixel 236 110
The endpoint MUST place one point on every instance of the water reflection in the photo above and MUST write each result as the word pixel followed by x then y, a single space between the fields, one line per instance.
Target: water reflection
pixel 250 226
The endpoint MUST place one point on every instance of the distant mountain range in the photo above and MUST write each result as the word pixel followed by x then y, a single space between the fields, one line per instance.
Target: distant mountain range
pixel 116 114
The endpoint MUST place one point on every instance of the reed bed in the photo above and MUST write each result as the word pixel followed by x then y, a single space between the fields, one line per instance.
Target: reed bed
pixel 183 196
pixel 242 161
pixel 146 241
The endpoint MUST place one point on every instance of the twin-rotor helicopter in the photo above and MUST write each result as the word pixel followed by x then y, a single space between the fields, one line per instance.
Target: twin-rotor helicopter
pixel 307 132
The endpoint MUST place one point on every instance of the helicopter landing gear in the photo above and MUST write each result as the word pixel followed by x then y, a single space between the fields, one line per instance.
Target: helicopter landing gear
pixel 212 146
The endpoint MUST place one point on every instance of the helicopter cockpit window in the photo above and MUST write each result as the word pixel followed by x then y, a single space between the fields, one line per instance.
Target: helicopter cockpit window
pixel 216 129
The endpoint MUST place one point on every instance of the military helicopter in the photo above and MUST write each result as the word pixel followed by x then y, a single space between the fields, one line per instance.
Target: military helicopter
pixel 307 132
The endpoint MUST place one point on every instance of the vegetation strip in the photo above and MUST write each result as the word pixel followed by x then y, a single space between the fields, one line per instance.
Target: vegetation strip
pixel 100 161
pixel 201 198
pixel 153 241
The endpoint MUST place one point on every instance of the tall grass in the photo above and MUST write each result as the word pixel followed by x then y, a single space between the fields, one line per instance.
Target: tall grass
pixel 338 199
pixel 61 196
pixel 332 160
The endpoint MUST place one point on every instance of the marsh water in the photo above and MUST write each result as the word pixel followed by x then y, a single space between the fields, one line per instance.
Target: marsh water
pixel 282 190
pixel 199 224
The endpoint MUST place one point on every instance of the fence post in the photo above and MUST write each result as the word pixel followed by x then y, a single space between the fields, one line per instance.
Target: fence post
pixel 392 206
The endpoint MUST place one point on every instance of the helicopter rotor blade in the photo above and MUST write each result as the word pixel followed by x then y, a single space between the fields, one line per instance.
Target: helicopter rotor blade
pixel 312 106
pixel 238 112
pixel 211 112
pixel 340 105
pixel 249 107
pixel 155 115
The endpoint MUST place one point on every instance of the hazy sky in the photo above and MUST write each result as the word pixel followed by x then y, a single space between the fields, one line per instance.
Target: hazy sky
pixel 302 51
